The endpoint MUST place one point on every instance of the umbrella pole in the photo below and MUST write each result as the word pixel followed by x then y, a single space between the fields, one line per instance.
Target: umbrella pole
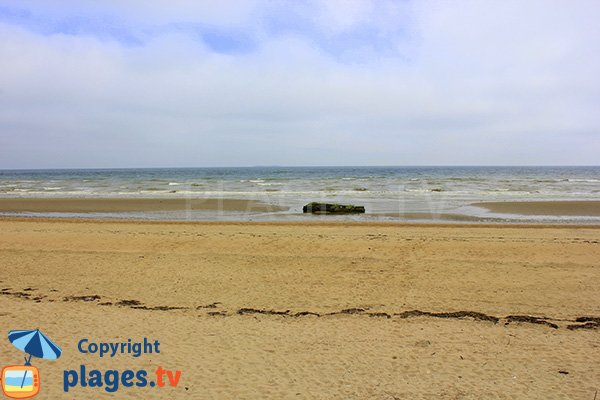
pixel 23 381
pixel 27 362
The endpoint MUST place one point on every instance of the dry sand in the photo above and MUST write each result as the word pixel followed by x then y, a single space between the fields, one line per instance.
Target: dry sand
pixel 586 208
pixel 313 311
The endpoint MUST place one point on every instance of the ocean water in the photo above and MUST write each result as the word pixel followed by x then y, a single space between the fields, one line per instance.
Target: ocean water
pixel 388 193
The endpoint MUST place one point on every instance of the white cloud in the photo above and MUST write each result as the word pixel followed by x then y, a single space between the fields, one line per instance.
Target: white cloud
pixel 470 83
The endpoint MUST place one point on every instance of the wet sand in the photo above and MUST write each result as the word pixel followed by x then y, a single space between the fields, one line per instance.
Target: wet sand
pixel 124 205
pixel 88 205
pixel 554 208
pixel 313 310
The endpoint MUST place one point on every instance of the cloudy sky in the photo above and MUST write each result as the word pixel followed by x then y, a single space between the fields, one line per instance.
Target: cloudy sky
pixel 142 83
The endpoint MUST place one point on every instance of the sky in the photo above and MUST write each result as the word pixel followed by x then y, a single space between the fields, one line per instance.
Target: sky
pixel 132 83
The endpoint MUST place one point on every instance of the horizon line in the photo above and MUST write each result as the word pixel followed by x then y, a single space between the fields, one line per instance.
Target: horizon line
pixel 315 166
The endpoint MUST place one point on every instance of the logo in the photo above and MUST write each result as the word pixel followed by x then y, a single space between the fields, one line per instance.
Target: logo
pixel 23 382
pixel 113 380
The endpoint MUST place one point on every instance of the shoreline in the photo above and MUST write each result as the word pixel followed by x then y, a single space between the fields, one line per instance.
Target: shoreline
pixel 510 213
pixel 307 223
pixel 558 208
pixel 147 204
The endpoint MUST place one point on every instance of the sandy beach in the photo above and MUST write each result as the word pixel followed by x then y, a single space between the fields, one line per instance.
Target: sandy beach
pixel 321 310
pixel 102 205
pixel 587 208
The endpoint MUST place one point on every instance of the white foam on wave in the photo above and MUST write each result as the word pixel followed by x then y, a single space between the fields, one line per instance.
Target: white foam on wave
pixel 584 180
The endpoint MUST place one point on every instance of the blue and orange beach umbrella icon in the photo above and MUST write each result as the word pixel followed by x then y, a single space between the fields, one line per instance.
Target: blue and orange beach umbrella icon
pixel 23 381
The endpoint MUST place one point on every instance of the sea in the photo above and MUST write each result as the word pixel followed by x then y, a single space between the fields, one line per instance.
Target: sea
pixel 419 193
